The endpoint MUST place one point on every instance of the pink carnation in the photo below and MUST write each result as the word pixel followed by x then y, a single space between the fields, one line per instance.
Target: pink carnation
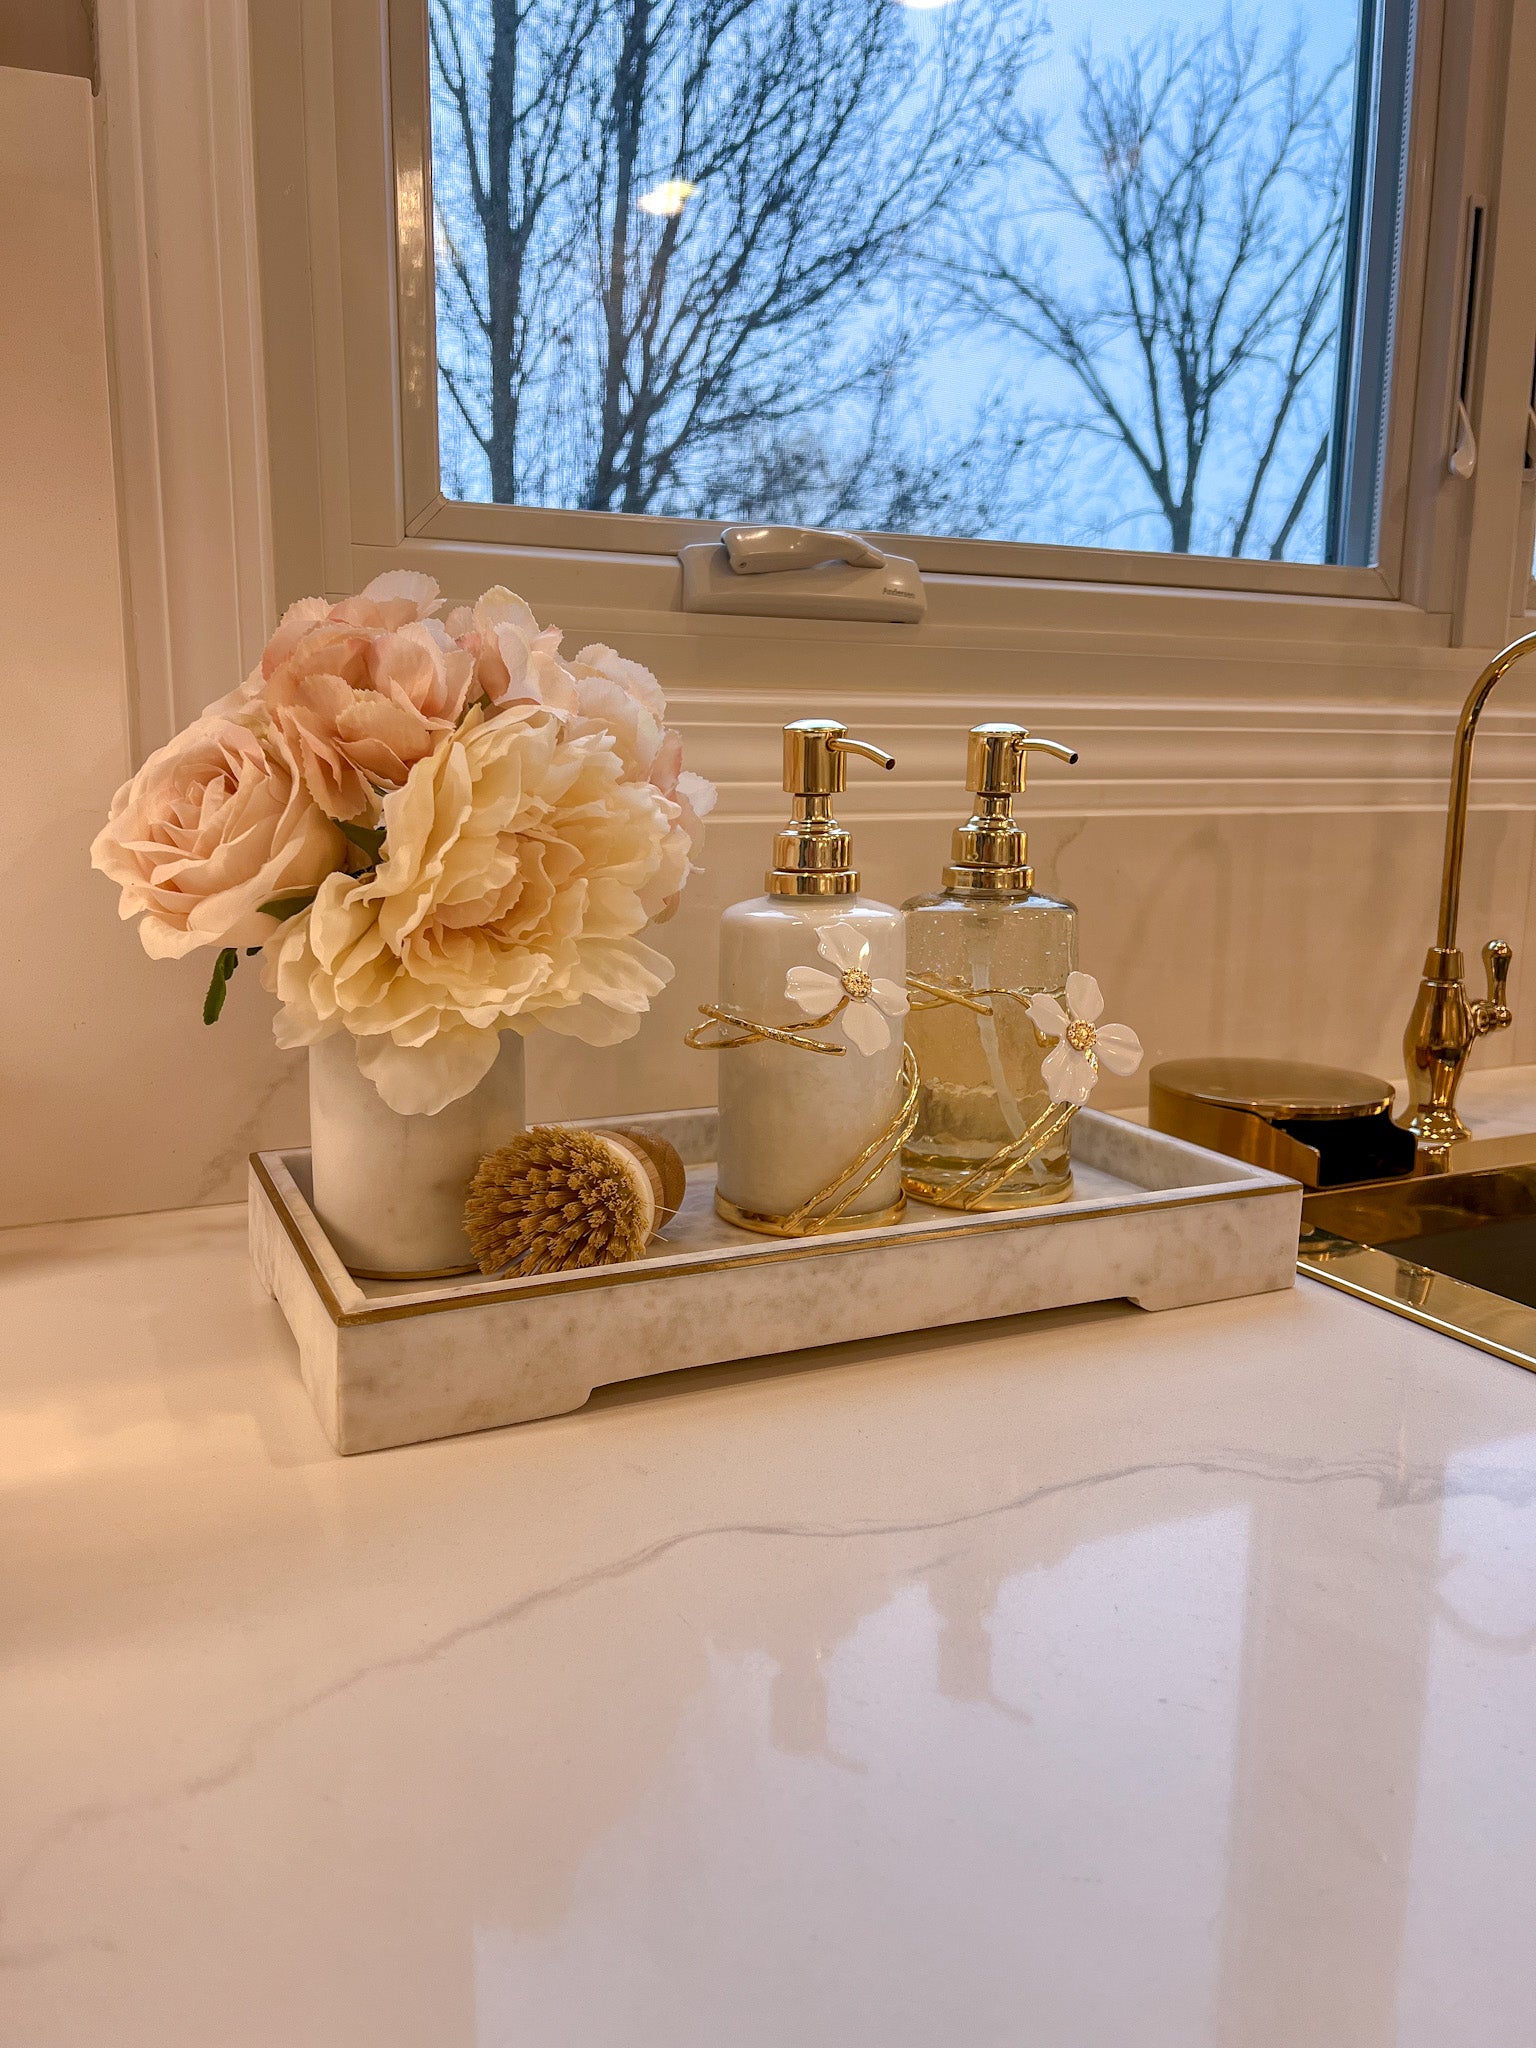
pixel 362 690
pixel 519 662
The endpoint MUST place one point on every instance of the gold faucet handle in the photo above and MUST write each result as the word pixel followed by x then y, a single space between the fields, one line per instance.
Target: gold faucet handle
pixel 1494 1014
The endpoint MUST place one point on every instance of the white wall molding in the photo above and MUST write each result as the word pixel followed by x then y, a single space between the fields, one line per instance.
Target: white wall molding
pixel 1140 757
pixel 175 166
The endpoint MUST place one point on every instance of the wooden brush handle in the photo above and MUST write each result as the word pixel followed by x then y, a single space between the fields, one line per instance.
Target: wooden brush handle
pixel 660 1164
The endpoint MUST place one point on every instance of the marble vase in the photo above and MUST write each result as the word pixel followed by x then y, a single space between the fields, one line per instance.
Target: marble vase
pixel 389 1188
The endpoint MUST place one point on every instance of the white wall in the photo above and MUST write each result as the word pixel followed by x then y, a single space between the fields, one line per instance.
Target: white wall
pixel 1254 845
pixel 113 1096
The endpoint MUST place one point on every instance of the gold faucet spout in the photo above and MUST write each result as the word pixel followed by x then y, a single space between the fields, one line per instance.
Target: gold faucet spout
pixel 1445 1025
pixel 1461 783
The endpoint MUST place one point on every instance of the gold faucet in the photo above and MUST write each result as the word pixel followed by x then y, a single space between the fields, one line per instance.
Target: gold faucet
pixel 1445 1025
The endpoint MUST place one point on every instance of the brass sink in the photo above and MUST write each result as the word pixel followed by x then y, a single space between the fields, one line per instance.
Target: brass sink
pixel 1456 1251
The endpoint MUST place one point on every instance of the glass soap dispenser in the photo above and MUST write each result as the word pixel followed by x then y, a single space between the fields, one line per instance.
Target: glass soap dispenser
pixel 818 963
pixel 992 940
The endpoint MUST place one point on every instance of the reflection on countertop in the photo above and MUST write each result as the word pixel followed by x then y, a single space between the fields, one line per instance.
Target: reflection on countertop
pixel 1086 1678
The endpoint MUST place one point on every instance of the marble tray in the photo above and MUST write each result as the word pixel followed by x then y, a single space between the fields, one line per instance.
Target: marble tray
pixel 1152 1220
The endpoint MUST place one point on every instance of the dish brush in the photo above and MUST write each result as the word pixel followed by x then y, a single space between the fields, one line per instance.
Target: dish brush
pixel 555 1199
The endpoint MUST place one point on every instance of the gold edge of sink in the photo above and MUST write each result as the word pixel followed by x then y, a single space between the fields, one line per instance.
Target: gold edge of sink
pixel 1482 1155
pixel 1469 1314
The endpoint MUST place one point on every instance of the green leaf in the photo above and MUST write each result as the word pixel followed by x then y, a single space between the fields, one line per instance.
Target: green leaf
pixel 218 984
pixel 368 839
pixel 282 907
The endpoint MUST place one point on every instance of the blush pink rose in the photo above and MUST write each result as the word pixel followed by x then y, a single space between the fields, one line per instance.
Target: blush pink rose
pixel 213 826
pixel 398 598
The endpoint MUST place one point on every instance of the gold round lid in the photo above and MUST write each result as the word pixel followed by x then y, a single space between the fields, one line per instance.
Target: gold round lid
pixel 1275 1090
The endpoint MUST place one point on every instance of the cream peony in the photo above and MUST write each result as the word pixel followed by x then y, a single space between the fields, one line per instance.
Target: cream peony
pixel 518 866
pixel 518 661
pixel 213 826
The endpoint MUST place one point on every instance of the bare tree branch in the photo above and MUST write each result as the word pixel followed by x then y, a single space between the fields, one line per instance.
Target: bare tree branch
pixel 1211 184
pixel 626 345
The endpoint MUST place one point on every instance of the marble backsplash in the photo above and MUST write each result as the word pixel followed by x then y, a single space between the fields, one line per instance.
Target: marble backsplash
pixel 1284 934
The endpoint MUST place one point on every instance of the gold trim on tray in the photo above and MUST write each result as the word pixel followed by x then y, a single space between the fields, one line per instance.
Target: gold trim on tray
pixel 436 1273
pixel 760 1253
pixel 299 1241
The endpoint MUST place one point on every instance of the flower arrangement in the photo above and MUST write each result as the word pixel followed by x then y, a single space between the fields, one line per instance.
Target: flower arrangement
pixel 431 831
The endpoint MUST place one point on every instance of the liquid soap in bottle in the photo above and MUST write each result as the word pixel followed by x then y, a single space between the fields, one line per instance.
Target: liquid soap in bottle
pixel 815 957
pixel 991 937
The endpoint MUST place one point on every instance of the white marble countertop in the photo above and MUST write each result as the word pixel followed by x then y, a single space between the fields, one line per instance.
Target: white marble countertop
pixel 1091 1678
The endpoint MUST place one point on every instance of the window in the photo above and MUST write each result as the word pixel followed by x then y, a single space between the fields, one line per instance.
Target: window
pixel 1146 295
pixel 931 267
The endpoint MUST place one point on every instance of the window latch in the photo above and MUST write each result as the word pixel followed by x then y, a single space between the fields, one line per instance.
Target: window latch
pixel 1462 461
pixel 1464 453
pixel 801 572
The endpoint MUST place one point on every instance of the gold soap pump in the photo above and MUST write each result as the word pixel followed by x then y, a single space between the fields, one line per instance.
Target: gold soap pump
pixel 990 848
pixel 813 855
pixel 976 953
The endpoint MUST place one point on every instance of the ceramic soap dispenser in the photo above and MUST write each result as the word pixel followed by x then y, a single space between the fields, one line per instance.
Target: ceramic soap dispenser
pixel 824 968
pixel 992 940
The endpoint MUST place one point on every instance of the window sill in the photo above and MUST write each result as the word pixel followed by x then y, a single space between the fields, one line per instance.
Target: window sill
pixel 517 530
pixel 612 594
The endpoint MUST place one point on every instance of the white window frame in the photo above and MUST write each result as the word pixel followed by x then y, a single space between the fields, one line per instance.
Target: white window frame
pixel 429 514
pixel 342 169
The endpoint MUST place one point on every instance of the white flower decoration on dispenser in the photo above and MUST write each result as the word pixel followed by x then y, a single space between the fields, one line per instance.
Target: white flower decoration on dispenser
pixel 1071 1071
pixel 868 1000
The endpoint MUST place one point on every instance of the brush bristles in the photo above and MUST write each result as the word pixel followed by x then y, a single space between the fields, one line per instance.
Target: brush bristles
pixel 551 1201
